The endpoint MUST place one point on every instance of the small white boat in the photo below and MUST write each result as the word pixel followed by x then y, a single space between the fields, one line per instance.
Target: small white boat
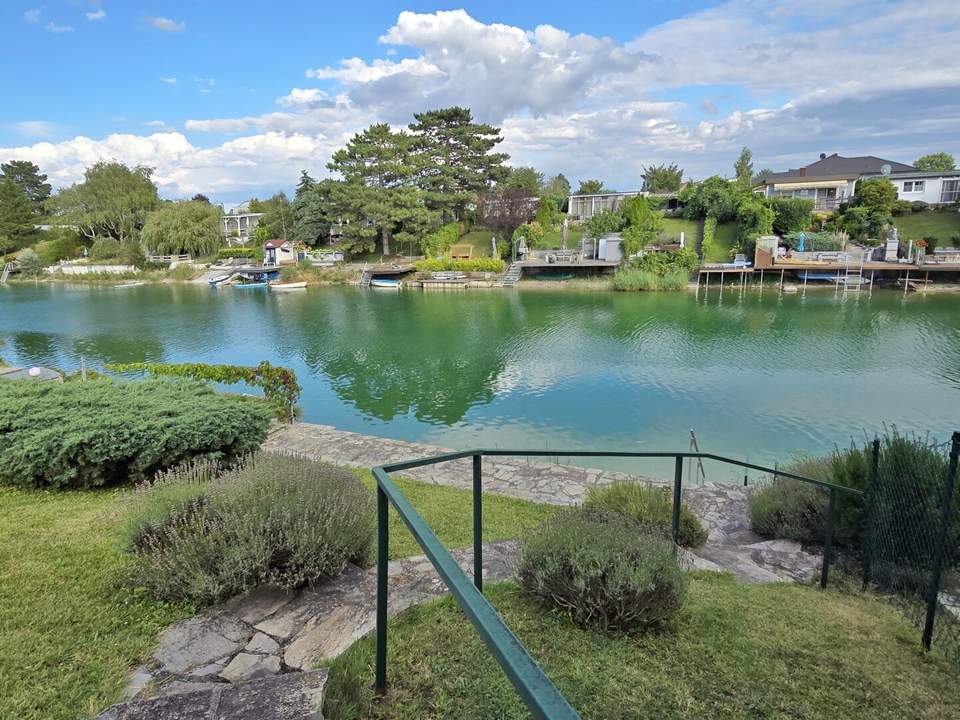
pixel 288 286
pixel 386 283
pixel 136 283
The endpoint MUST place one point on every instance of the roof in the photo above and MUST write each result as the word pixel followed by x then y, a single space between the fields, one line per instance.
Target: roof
pixel 273 244
pixel 838 167
pixel 923 174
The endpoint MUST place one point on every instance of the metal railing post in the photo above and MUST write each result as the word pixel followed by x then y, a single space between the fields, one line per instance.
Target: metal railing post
pixel 677 488
pixel 828 540
pixel 383 553
pixel 941 547
pixel 868 512
pixel 477 523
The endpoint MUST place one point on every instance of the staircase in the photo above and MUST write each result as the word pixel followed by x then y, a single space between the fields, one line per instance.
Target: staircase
pixel 7 269
pixel 853 277
pixel 510 277
pixel 365 277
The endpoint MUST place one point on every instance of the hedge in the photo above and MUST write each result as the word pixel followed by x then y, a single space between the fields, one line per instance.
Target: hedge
pixel 238 252
pixel 483 264
pixel 103 432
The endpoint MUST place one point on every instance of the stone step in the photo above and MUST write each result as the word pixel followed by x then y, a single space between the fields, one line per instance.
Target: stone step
pixel 291 696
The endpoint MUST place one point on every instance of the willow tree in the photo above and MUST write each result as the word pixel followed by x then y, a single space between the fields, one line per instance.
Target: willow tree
pixel 191 227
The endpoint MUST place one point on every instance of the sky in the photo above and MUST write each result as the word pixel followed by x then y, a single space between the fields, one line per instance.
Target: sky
pixel 233 99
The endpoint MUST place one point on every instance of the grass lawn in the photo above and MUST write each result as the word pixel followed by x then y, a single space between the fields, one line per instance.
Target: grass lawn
pixel 70 631
pixel 940 225
pixel 672 227
pixel 724 241
pixel 736 651
pixel 480 239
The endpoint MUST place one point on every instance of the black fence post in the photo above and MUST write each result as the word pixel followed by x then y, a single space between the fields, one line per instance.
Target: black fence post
pixel 941 548
pixel 383 551
pixel 828 540
pixel 677 483
pixel 477 524
pixel 868 512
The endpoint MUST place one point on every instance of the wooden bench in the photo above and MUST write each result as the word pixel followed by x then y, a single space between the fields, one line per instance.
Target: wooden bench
pixel 461 252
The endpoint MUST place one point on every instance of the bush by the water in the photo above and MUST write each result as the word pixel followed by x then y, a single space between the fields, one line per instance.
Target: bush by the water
pixel 603 570
pixel 635 280
pixel 651 507
pixel 202 535
pixel 906 500
pixel 101 432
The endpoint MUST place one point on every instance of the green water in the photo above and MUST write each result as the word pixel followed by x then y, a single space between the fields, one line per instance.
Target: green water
pixel 757 377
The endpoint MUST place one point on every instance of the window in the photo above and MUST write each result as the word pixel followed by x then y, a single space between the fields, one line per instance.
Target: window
pixel 950 191
pixel 913 186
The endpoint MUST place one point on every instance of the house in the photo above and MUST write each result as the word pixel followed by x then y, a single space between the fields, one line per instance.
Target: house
pixel 584 207
pixel 829 181
pixel 238 224
pixel 280 252
pixel 933 188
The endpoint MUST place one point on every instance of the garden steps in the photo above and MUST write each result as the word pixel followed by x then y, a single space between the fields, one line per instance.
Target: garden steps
pixel 292 696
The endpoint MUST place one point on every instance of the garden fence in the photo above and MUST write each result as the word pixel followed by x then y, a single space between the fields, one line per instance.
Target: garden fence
pixel 912 543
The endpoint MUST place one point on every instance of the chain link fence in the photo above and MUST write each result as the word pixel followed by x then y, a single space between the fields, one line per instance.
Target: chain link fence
pixel 912 534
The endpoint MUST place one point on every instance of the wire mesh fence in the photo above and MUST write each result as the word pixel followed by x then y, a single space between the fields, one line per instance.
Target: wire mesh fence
pixel 912 534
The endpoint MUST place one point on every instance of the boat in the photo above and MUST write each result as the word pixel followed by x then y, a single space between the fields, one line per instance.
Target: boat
pixel 288 286
pixel 135 283
pixel 386 283
pixel 251 285
pixel 220 279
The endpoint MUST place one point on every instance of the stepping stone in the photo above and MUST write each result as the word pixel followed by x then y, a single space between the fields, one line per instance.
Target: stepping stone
pixel 246 667
pixel 262 644
pixel 294 696
pixel 200 641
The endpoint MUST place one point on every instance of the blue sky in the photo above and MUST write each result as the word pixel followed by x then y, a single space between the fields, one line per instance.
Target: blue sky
pixel 232 99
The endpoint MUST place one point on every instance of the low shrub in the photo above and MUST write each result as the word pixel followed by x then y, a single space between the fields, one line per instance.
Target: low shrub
pixel 708 246
pixel 238 252
pixel 918 206
pixel 102 432
pixel 202 535
pixel 634 280
pixel 902 207
pixel 602 570
pixel 814 241
pixel 437 243
pixel 790 214
pixel 481 264
pixel 651 507
pixel 104 249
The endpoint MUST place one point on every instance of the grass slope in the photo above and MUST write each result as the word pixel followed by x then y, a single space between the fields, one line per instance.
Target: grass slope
pixel 940 225
pixel 672 227
pixel 70 632
pixel 736 651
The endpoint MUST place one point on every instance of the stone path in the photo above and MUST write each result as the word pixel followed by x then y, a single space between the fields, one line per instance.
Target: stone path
pixel 270 634
pixel 537 481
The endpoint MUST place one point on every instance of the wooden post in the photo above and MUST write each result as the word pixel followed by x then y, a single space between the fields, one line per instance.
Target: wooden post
pixel 781 279
pixel 870 293
pixel 926 279
pixel 906 283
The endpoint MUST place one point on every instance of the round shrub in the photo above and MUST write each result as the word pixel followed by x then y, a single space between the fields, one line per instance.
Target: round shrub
pixel 104 249
pixel 203 535
pixel 649 506
pixel 602 569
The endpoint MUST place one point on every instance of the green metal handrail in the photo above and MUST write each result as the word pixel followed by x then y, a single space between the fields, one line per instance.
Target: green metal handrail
pixel 536 690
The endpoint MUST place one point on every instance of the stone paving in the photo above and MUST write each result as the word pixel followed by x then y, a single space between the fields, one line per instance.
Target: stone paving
pixel 269 634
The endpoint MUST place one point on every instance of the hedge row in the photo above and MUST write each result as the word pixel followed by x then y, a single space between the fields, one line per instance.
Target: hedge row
pixel 238 252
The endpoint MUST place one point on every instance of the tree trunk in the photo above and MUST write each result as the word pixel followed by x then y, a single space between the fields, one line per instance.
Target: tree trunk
pixel 385 236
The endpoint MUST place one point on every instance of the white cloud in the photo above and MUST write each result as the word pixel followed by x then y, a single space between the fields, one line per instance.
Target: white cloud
pixel 303 98
pixel 156 124
pixel 168 80
pixel 96 15
pixel 54 28
pixel 204 85
pixel 32 16
pixel 166 24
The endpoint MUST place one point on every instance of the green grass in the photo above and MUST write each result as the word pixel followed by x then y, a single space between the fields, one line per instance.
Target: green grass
pixel 672 227
pixel 940 225
pixel 724 242
pixel 735 651
pixel 480 239
pixel 70 631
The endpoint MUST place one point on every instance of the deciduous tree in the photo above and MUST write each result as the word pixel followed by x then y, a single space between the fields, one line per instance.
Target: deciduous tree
pixel 936 162
pixel 112 201
pixel 525 178
pixel 590 187
pixel 743 168
pixel 662 178
pixel 505 210
pixel 183 227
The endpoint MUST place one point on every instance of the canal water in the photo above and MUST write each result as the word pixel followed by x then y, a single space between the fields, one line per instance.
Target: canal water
pixel 759 377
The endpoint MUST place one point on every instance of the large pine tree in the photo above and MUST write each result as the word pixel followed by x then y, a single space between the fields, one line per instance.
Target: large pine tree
pixel 453 158
pixel 33 182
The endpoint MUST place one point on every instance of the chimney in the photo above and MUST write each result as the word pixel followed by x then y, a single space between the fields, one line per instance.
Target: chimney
pixel 823 156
